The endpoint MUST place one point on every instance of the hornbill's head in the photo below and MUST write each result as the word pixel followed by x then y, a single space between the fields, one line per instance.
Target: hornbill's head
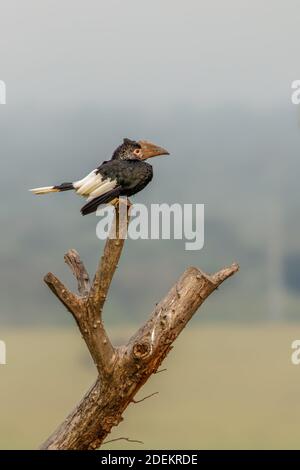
pixel 141 150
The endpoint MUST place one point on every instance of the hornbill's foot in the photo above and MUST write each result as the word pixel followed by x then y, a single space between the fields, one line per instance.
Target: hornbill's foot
pixel 117 201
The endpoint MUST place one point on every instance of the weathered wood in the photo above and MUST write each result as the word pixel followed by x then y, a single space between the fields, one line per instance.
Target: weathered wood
pixel 110 258
pixel 122 371
pixel 73 260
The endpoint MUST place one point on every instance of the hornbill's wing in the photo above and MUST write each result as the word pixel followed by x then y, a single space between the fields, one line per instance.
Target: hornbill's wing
pixel 106 183
pixel 92 205
pixel 105 178
pixel 94 184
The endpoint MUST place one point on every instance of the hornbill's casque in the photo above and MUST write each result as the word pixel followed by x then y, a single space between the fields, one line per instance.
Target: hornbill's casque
pixel 125 174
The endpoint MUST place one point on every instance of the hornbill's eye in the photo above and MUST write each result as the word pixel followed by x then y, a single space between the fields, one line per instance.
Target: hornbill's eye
pixel 138 152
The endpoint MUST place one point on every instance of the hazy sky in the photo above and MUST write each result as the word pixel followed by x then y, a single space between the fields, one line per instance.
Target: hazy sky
pixel 209 80
pixel 158 53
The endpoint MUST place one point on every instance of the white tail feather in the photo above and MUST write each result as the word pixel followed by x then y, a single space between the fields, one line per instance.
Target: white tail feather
pixel 44 190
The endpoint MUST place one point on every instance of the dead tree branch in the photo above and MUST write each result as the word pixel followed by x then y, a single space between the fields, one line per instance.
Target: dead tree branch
pixel 73 260
pixel 122 371
pixel 145 398
pixel 123 439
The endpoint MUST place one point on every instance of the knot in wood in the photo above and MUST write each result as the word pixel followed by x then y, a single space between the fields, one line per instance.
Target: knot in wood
pixel 141 350
pixel 110 421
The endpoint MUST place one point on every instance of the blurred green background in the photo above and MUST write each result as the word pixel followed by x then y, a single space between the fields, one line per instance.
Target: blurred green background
pixel 211 82
pixel 227 387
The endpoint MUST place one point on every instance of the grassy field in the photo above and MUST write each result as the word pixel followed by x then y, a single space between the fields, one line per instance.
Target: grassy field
pixel 225 387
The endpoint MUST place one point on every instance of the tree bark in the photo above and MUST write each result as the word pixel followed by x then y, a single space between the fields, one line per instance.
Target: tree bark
pixel 122 371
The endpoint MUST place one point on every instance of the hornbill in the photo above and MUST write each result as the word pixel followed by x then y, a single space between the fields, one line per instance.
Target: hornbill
pixel 125 174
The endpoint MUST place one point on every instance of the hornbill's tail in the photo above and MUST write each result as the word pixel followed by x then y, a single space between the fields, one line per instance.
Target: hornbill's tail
pixel 53 189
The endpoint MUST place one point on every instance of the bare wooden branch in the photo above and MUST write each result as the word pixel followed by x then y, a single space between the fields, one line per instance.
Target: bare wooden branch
pixel 73 260
pixel 160 370
pixel 109 260
pixel 124 370
pixel 85 313
pixel 122 439
pixel 70 300
pixel 145 398
pixel 223 274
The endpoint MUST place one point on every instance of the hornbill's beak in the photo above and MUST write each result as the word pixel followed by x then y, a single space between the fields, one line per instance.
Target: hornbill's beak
pixel 151 150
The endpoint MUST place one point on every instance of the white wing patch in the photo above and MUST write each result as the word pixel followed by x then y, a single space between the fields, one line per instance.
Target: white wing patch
pixel 106 186
pixel 82 186
pixel 93 185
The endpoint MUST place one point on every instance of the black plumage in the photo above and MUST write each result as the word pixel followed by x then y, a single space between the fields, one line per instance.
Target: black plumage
pixel 125 174
pixel 131 176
